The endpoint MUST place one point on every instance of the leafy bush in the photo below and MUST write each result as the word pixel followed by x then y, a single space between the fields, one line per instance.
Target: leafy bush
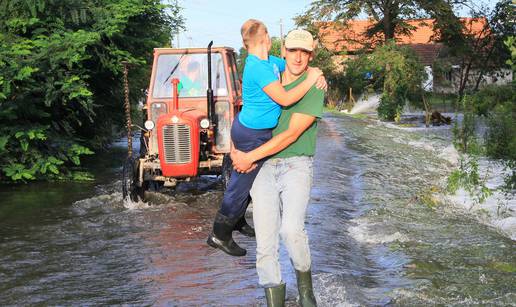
pixel 390 107
pixel 464 133
pixel 394 70
pixel 500 138
pixel 60 77
pixel 491 96
pixel 467 176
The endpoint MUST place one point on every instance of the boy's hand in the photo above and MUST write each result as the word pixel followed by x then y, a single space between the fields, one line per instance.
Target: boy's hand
pixel 321 83
pixel 241 161
pixel 313 74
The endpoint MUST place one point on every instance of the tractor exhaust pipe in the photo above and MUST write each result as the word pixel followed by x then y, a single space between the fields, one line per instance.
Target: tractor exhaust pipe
pixel 209 93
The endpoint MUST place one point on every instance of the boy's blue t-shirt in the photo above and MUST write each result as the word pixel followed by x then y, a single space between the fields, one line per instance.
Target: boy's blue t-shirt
pixel 259 110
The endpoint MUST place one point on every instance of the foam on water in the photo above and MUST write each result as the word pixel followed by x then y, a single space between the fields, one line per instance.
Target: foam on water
pixel 132 205
pixel 414 295
pixel 450 154
pixel 330 291
pixel 498 209
pixel 362 232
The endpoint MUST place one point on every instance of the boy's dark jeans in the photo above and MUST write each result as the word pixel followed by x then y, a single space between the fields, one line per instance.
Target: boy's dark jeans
pixel 236 197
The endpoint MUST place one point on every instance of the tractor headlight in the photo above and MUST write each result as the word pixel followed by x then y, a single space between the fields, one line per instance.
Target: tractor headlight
pixel 205 123
pixel 149 124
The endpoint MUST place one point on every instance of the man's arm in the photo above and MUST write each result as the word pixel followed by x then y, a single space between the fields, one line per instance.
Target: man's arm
pixel 299 122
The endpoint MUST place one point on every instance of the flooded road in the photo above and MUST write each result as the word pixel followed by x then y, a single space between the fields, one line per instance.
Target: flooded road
pixel 375 239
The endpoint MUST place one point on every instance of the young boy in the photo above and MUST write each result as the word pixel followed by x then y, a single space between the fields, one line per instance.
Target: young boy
pixel 263 96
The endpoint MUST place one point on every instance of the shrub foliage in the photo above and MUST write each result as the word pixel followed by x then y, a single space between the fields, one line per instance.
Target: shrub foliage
pixel 61 93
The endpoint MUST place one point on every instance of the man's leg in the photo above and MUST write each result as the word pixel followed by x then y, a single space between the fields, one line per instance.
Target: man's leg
pixel 267 218
pixel 296 182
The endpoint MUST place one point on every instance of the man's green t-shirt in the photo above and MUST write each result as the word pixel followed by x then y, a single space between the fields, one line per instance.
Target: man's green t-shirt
pixel 310 104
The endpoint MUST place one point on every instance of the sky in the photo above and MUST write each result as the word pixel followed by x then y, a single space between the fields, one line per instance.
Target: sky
pixel 220 20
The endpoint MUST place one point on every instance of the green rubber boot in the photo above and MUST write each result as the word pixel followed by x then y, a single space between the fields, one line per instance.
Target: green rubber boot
pixel 306 292
pixel 275 296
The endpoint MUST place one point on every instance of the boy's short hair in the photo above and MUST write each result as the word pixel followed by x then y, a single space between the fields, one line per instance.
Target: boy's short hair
pixel 252 31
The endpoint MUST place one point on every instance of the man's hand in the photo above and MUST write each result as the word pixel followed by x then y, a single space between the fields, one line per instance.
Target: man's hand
pixel 321 83
pixel 241 161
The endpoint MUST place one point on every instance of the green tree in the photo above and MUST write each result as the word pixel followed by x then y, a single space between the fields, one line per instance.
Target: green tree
pixel 60 80
pixel 389 16
pixel 510 43
pixel 483 51
pixel 393 70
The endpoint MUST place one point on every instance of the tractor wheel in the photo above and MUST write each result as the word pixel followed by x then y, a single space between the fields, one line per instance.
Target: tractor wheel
pixel 130 180
pixel 227 168
pixel 154 186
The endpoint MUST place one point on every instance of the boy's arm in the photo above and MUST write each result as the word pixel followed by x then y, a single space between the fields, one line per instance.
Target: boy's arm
pixel 299 122
pixel 286 98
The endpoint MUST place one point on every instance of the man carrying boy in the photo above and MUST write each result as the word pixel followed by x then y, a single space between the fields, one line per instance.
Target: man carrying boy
pixel 263 96
pixel 281 190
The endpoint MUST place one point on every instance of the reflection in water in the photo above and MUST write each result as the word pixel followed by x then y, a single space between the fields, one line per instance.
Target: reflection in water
pixel 373 241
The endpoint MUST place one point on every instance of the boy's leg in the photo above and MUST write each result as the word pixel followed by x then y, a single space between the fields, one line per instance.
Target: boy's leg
pixel 235 200
pixel 267 219
pixel 236 196
pixel 296 183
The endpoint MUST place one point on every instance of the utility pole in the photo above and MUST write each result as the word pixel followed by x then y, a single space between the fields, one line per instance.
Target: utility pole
pixel 281 36
pixel 177 33
pixel 281 30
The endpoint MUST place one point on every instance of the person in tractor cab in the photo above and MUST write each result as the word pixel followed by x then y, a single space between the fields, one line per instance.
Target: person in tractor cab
pixel 281 190
pixel 263 96
pixel 191 81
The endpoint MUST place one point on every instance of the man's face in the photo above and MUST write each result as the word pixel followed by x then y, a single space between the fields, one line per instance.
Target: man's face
pixel 297 60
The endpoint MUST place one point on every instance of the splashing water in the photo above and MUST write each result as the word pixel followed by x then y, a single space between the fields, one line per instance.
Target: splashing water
pixel 366 103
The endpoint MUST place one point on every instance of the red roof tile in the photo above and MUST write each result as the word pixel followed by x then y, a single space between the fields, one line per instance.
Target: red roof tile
pixel 351 36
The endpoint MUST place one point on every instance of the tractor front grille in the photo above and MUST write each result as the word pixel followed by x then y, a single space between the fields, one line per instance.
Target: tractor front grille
pixel 176 144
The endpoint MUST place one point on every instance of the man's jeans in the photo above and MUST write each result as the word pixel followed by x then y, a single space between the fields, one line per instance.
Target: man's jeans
pixel 280 194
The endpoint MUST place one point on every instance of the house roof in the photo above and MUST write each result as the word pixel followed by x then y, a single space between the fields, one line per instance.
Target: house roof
pixel 351 36
pixel 427 53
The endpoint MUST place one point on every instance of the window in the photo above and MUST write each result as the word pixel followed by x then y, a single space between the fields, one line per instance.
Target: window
pixel 192 72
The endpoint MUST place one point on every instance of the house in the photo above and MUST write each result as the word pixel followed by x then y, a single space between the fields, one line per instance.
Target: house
pixel 346 40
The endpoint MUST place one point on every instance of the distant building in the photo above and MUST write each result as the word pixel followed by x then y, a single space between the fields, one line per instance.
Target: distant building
pixel 349 39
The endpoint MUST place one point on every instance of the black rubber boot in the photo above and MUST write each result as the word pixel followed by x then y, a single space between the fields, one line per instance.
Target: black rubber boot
pixel 244 228
pixel 221 237
pixel 275 296
pixel 306 292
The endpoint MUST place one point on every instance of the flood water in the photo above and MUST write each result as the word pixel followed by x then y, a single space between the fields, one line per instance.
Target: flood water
pixel 374 239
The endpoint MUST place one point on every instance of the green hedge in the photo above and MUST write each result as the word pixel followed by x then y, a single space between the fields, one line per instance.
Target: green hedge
pixel 61 94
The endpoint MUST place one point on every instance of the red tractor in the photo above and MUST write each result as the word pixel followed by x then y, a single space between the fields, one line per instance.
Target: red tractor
pixel 193 96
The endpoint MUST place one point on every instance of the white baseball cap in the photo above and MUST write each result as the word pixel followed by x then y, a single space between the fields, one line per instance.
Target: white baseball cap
pixel 299 39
